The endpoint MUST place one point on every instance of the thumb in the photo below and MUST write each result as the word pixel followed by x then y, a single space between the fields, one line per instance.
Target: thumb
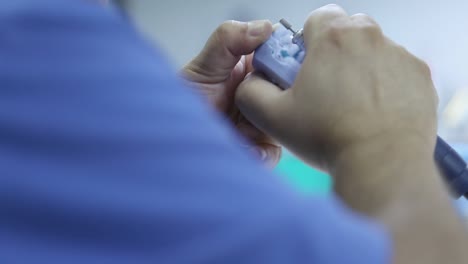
pixel 226 45
pixel 263 103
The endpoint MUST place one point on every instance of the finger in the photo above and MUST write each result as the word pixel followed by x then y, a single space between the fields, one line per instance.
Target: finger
pixel 249 58
pixel 227 44
pixel 248 63
pixel 269 154
pixel 276 26
pixel 264 147
pixel 249 131
pixel 321 19
pixel 263 103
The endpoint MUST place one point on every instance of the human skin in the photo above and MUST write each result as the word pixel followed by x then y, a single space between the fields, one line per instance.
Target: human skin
pixel 220 67
pixel 364 109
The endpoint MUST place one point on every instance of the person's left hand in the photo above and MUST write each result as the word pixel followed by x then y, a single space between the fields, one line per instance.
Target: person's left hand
pixel 219 69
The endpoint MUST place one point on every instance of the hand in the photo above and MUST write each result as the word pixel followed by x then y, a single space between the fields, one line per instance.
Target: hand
pixel 354 85
pixel 219 69
pixel 365 109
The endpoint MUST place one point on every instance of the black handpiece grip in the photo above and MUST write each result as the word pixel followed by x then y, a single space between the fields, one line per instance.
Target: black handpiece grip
pixel 453 168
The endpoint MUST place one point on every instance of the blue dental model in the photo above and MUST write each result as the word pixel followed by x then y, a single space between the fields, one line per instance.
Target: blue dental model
pixel 281 56
pixel 280 59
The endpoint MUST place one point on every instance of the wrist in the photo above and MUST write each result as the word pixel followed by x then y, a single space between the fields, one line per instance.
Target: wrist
pixel 370 174
pixel 390 147
pixel 399 146
pixel 396 182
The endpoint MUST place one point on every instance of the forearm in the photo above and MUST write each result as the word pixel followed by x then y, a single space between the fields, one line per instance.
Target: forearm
pixel 396 182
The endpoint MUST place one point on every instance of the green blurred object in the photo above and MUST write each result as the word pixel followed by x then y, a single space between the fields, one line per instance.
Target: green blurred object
pixel 304 178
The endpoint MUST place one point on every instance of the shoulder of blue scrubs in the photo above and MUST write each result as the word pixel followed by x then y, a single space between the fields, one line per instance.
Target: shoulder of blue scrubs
pixel 106 158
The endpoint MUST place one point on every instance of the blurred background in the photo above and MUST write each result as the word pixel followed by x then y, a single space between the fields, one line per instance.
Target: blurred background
pixel 433 30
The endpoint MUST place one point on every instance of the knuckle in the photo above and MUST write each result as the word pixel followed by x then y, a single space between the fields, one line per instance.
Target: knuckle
pixel 367 25
pixel 372 33
pixel 332 6
pixel 223 30
pixel 331 10
pixel 229 34
pixel 363 18
pixel 320 20
pixel 336 32
pixel 371 29
pixel 419 65
pixel 424 67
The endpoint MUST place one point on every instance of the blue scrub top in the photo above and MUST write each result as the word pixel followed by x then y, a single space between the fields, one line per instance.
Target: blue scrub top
pixel 105 157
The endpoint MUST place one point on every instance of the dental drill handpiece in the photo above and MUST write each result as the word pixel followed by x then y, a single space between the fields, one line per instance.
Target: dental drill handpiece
pixel 280 59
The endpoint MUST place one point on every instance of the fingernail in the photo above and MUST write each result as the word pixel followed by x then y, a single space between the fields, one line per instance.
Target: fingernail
pixel 257 28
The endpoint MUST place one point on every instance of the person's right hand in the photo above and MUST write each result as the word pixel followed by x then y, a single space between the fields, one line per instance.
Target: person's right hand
pixel 355 86
pixel 364 108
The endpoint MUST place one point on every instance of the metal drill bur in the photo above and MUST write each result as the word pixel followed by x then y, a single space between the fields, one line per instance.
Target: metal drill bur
pixel 287 25
pixel 297 35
